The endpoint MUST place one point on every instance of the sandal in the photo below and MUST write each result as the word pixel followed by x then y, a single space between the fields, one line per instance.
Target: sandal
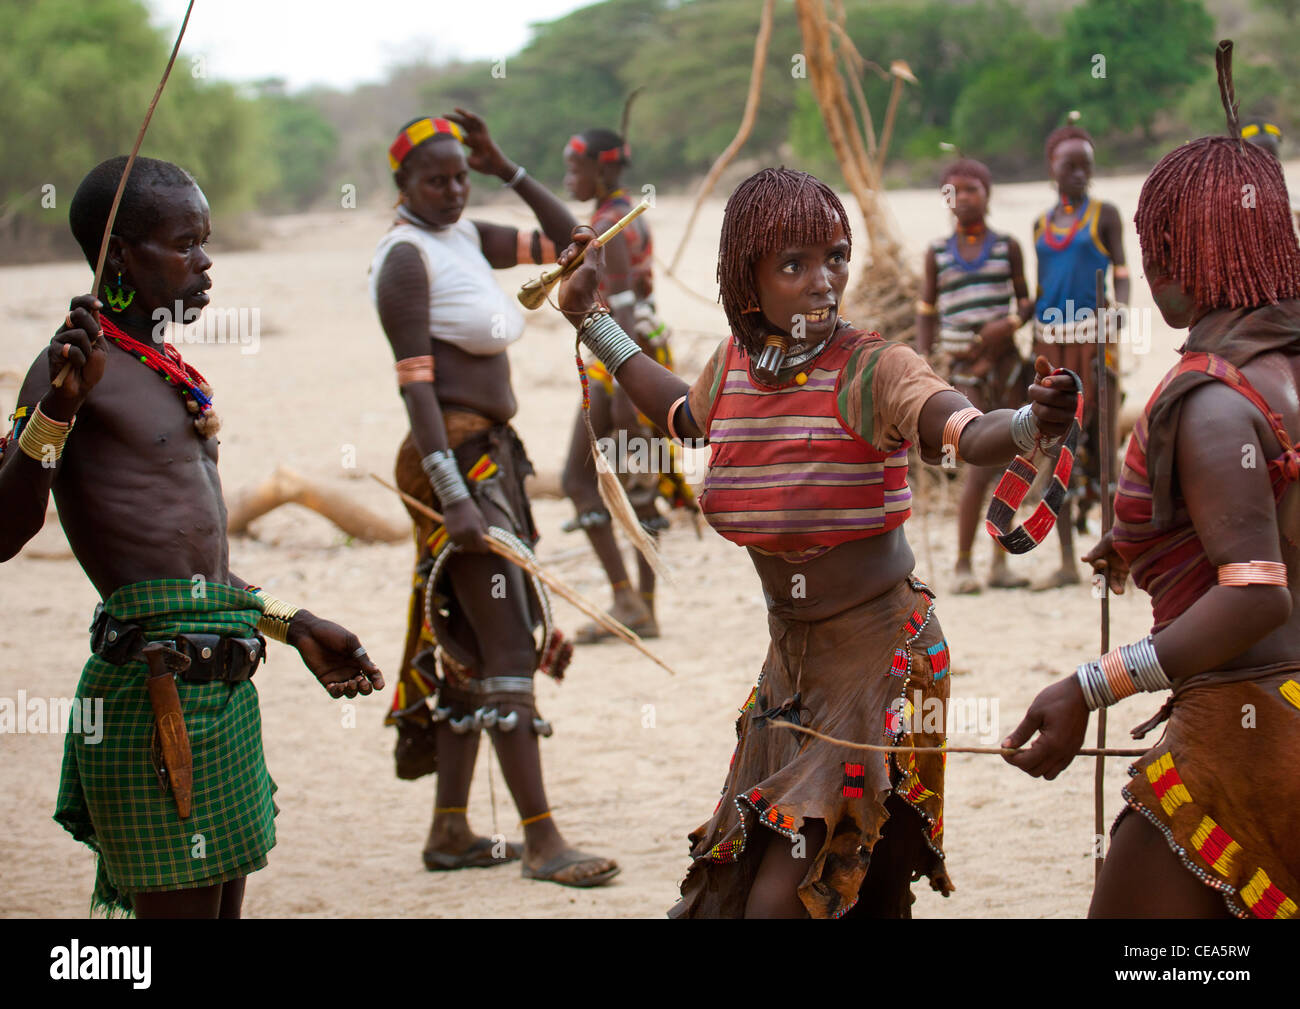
pixel 593 633
pixel 477 856
pixel 572 857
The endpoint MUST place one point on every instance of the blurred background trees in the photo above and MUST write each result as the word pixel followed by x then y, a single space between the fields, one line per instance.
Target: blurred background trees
pixel 993 78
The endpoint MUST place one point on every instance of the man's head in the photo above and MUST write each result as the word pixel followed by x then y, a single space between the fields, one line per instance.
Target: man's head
pixel 1214 223
pixel 430 170
pixel 1070 153
pixel 593 162
pixel 971 185
pixel 1263 134
pixel 158 235
pixel 783 257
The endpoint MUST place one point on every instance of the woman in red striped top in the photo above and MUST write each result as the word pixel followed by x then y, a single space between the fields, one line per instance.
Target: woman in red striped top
pixel 809 473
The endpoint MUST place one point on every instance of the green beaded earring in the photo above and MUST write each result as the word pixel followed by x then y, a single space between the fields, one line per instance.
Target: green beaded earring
pixel 120 299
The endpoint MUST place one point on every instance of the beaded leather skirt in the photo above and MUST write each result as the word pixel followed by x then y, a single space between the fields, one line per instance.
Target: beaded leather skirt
pixel 876 673
pixel 494 463
pixel 1222 789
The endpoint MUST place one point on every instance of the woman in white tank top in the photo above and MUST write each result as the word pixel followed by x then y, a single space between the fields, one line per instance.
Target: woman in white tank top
pixel 449 324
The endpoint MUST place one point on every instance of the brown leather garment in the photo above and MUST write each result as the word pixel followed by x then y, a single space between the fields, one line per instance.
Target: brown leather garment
pixel 1221 786
pixel 839 677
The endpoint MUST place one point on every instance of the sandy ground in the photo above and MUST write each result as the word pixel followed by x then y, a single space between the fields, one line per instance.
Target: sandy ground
pixel 638 756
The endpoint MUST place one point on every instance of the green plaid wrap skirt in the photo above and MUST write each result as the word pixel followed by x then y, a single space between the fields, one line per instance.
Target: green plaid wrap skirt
pixel 110 794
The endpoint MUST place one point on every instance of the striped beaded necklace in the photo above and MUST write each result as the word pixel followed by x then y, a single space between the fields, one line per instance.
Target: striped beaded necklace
pixel 190 383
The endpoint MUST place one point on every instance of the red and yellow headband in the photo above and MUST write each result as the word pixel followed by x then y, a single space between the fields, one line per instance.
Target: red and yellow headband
pixel 416 134
pixel 1253 129
pixel 579 146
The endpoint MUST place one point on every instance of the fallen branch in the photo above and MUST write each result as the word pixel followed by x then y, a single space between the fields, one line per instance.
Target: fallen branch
pixel 285 486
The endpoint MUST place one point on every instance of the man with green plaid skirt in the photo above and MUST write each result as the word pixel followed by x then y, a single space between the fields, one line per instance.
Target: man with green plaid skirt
pixel 175 799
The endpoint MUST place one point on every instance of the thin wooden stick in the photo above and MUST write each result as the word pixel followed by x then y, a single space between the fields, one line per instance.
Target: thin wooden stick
pixel 1103 427
pixel 615 627
pixel 126 174
pixel 742 134
pixel 1086 751
pixel 895 93
pixel 855 64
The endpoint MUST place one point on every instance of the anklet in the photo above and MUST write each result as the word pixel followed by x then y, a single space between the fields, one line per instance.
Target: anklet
pixel 450 809
pixel 534 819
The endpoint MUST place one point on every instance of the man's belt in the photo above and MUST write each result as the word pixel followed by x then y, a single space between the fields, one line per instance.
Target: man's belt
pixel 213 657
pixel 194 658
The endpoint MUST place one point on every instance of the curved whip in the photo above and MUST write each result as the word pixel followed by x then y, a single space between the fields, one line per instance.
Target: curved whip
pixel 126 174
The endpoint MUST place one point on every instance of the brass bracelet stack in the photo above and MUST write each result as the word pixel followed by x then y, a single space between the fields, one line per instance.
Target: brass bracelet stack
pixel 276 617
pixel 42 438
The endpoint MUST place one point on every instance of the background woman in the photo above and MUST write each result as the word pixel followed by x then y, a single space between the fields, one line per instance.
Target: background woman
pixel 449 325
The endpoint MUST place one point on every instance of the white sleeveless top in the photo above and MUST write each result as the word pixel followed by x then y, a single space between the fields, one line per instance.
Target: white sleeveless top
pixel 467 307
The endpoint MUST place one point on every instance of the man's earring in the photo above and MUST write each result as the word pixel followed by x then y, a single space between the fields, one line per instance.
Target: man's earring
pixel 120 299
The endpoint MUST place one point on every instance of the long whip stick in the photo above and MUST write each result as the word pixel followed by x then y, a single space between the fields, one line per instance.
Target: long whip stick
pixel 1103 427
pixel 1086 751
pixel 126 174
pixel 615 627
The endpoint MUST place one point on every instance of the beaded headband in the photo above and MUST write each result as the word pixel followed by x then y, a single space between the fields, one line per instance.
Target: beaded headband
pixel 416 134
pixel 579 146
pixel 1249 131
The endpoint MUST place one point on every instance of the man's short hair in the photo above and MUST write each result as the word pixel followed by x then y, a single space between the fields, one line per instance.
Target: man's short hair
pixel 138 213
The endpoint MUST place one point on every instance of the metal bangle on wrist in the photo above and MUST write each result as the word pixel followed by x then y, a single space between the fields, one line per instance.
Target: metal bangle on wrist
pixel 517 178
pixel 1024 429
pixel 1120 673
pixel 444 476
pixel 276 617
pixel 1026 433
pixel 606 339
pixel 42 438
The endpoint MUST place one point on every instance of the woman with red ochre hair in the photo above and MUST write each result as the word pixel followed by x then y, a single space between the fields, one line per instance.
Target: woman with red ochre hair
pixel 808 471
pixel 1207 521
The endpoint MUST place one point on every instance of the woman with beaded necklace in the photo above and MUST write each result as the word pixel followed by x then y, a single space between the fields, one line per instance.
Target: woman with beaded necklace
pixel 470 638
pixel 974 298
pixel 1073 239
pixel 808 471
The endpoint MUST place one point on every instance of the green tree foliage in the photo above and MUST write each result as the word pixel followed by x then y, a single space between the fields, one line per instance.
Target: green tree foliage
pixel 301 144
pixel 77 76
pixel 1257 87
pixel 994 77
pixel 1004 114
pixel 1152 50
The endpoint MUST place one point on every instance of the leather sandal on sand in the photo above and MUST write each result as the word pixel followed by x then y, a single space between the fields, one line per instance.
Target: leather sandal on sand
pixel 477 856
pixel 572 857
